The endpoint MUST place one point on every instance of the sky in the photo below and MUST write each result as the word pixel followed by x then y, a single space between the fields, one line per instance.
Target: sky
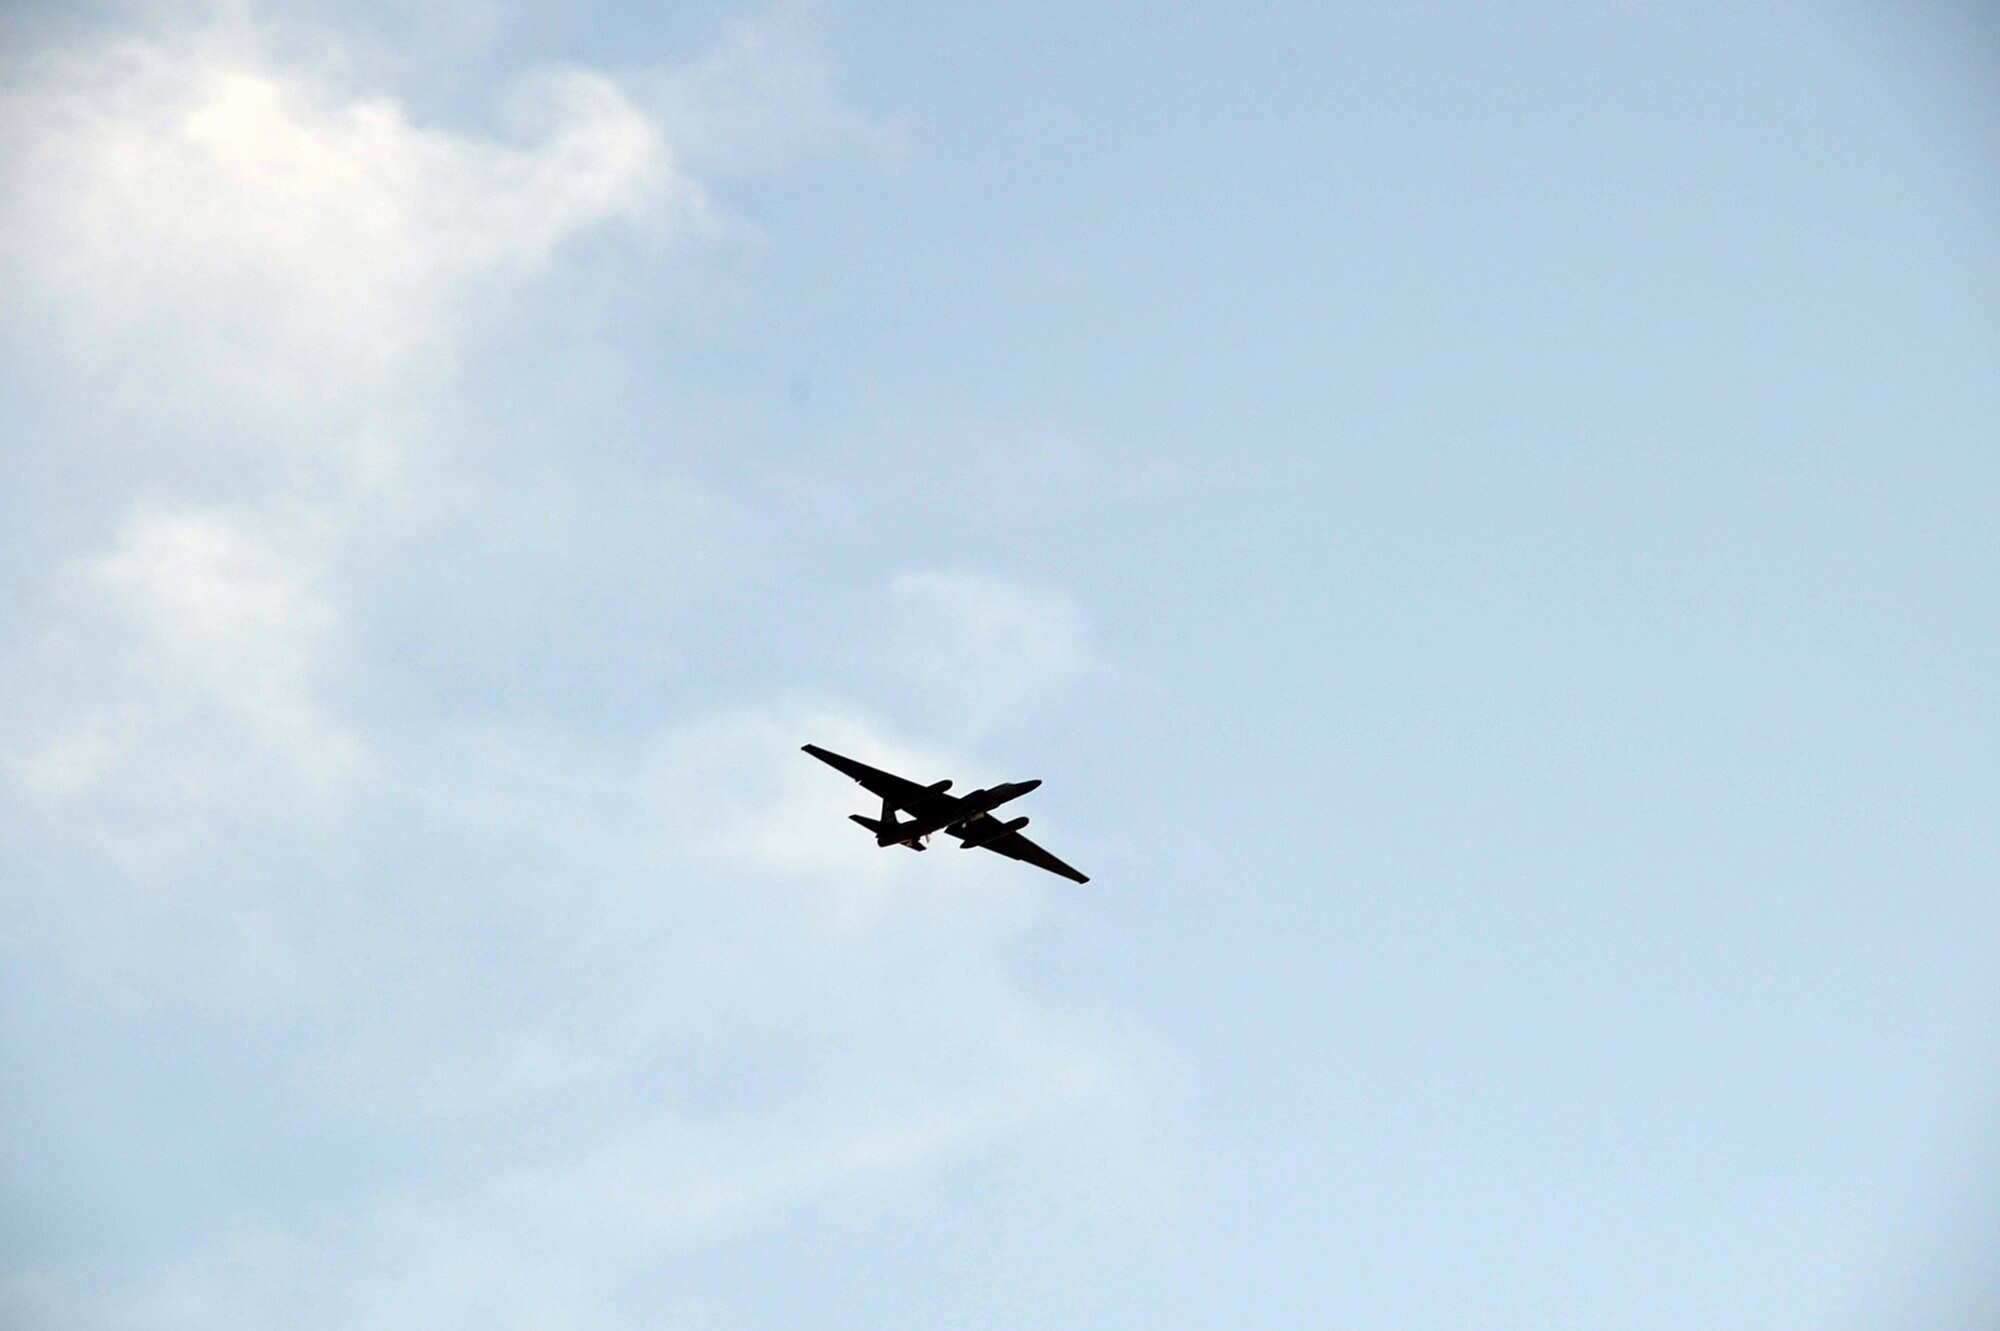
pixel 1481 516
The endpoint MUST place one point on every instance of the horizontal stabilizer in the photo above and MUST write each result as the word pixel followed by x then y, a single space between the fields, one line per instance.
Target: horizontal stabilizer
pixel 880 828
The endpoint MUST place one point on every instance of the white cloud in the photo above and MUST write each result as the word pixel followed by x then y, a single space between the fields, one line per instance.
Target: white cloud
pixel 234 610
pixel 513 940
pixel 70 764
pixel 195 213
pixel 270 270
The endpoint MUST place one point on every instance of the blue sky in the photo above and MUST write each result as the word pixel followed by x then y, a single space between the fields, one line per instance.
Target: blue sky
pixel 1480 515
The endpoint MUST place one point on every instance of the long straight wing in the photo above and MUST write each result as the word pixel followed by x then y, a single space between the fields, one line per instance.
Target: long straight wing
pixel 902 792
pixel 1014 846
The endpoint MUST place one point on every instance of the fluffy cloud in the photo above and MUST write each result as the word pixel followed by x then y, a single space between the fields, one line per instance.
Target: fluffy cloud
pixel 271 271
pixel 633 991
pixel 236 615
pixel 267 273
pixel 277 246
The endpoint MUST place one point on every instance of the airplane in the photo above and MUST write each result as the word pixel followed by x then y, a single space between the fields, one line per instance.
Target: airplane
pixel 968 817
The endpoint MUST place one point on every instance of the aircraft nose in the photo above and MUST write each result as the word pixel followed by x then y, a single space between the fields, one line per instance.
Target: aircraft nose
pixel 1027 786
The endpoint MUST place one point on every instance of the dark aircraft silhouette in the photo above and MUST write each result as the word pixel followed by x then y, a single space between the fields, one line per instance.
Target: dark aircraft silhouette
pixel 967 817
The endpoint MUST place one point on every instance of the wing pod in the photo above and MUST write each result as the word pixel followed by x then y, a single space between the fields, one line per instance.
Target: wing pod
pixel 987 838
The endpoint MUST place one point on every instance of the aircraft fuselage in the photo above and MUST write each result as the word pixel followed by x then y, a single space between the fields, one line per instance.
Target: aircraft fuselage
pixel 951 811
